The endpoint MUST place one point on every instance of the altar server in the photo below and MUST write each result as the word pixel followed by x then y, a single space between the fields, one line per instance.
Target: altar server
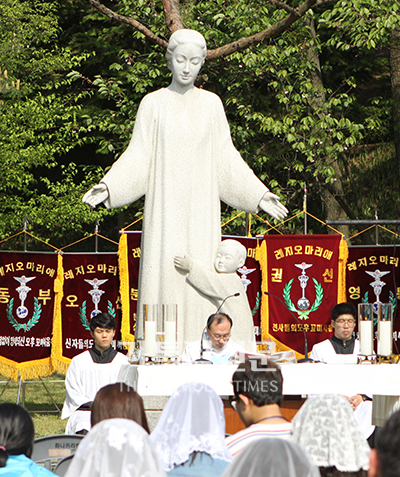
pixel 90 371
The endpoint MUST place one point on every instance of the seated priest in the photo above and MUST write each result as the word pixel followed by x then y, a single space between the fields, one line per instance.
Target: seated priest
pixel 90 371
pixel 343 348
pixel 216 344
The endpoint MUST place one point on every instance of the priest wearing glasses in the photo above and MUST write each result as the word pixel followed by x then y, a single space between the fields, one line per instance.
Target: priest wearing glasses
pixel 343 348
pixel 216 344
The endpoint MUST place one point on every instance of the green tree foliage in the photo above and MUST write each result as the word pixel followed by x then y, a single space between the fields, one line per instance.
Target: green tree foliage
pixel 303 103
pixel 39 125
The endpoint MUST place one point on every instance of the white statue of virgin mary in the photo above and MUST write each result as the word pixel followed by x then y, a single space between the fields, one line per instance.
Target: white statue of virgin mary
pixel 182 159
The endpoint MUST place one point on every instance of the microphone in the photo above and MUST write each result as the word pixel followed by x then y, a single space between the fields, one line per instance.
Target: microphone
pixel 201 360
pixel 306 359
pixel 224 300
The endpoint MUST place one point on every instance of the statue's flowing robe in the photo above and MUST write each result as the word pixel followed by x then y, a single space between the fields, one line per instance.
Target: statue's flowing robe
pixel 181 157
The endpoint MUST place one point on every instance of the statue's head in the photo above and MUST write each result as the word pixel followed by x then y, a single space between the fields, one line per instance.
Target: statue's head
pixel 231 256
pixel 182 37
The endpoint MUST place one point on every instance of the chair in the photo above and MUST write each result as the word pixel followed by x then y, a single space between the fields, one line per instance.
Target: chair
pixel 62 466
pixel 54 448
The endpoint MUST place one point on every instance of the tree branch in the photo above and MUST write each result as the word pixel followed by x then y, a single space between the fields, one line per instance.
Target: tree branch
pixel 173 18
pixel 282 6
pixel 270 32
pixel 174 22
pixel 129 21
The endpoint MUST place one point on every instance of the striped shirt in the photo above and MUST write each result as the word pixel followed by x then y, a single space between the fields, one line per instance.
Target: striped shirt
pixel 241 439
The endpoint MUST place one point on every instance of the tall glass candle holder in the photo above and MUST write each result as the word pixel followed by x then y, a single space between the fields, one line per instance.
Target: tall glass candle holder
pixel 150 318
pixel 170 315
pixel 385 329
pixel 366 328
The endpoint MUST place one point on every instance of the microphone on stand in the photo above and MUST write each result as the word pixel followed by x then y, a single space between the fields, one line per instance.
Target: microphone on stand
pixel 201 360
pixel 306 359
pixel 224 300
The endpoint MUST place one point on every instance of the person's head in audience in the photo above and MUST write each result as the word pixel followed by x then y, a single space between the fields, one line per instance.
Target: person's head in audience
pixel 385 458
pixel 118 448
pixel 191 423
pixel 257 386
pixel 118 400
pixel 102 329
pixel 219 327
pixel 16 432
pixel 344 317
pixel 327 430
pixel 272 457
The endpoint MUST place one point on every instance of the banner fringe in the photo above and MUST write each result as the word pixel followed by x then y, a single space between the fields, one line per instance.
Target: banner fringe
pixel 27 370
pixel 343 256
pixel 56 350
pixel 126 335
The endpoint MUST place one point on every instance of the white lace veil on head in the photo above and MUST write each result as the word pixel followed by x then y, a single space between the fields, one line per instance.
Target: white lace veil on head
pixel 272 457
pixel 326 428
pixel 116 448
pixel 193 420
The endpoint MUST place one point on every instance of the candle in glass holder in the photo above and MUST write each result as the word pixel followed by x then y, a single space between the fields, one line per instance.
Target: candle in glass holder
pixel 366 328
pixel 169 322
pixel 150 329
pixel 385 329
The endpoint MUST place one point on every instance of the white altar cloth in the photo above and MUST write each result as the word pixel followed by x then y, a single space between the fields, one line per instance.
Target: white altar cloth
pixel 298 379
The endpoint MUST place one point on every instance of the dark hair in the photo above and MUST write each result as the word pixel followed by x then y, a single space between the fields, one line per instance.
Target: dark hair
pixel 218 318
pixel 103 320
pixel 260 379
pixel 343 309
pixel 16 432
pixel 333 472
pixel 388 445
pixel 118 400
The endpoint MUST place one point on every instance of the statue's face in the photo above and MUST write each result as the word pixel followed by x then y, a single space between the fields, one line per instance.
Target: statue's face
pixel 187 59
pixel 227 260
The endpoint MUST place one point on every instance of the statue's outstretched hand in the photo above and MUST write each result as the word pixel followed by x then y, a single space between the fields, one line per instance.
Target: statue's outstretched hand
pixel 96 195
pixel 271 205
pixel 183 263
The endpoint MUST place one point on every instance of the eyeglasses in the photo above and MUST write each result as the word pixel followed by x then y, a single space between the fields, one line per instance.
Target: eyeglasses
pixel 220 337
pixel 342 322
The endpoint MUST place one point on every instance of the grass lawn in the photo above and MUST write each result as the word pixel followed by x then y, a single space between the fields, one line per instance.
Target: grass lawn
pixel 38 402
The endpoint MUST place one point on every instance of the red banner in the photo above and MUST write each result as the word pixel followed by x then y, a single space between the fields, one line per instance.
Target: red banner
pixel 366 263
pixel 90 286
pixel 27 304
pixel 305 277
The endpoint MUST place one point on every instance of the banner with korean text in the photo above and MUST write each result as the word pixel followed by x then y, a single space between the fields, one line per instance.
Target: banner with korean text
pixel 90 285
pixel 374 273
pixel 29 299
pixel 304 276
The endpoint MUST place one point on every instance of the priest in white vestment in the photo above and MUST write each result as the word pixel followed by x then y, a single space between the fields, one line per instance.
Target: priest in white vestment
pixel 216 345
pixel 342 348
pixel 90 371
pixel 182 159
